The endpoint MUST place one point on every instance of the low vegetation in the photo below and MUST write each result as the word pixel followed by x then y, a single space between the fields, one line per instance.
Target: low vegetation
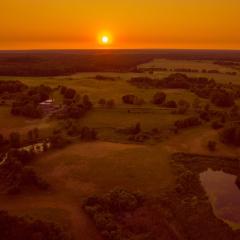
pixel 66 140
pixel 13 228
pixel 108 212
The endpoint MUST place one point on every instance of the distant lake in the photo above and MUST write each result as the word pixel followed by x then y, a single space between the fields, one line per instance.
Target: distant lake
pixel 224 195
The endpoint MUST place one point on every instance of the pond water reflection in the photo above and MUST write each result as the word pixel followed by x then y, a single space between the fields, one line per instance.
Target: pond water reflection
pixel 224 195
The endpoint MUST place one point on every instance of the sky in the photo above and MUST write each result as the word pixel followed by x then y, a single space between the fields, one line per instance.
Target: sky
pixel 78 24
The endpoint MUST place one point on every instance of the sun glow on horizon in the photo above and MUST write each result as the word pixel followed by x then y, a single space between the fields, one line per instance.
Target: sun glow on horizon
pixel 105 39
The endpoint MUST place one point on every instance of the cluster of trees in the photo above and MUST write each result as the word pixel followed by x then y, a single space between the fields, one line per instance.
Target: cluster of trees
pixel 151 70
pixel 74 106
pixel 88 134
pixel 84 133
pixel 2 140
pixel 212 146
pixel 106 103
pixel 186 70
pixel 13 228
pixel 33 135
pixel 62 64
pixel 182 106
pixel 13 141
pixel 27 103
pixel 104 78
pixel 175 81
pixel 132 100
pixel 159 98
pixel 68 93
pixel 217 125
pixel 58 140
pixel 231 135
pixel 74 111
pixel 187 123
pixel 221 95
pixel 11 86
pixel 133 130
pixel 222 98
pixel 106 210
pixel 16 175
pixel 144 82
pixel 170 104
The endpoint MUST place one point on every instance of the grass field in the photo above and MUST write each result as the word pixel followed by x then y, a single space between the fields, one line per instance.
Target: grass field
pixel 193 64
pixel 10 123
pixel 84 169
pixel 91 168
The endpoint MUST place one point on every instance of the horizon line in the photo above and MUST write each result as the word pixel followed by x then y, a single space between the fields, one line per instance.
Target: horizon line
pixel 117 49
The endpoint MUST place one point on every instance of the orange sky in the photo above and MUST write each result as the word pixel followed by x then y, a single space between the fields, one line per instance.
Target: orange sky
pixel 74 24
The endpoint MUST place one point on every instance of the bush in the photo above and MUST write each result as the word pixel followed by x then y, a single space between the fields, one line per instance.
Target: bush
pixel 170 104
pixel 204 115
pixel 106 210
pixel 102 102
pixel 159 98
pixel 14 139
pixel 231 135
pixel 129 99
pixel 212 146
pixel 13 228
pixel 88 134
pixel 58 141
pixel 183 107
pixel 188 122
pixel 110 103
pixel 69 93
pixel 217 125
pixel 222 98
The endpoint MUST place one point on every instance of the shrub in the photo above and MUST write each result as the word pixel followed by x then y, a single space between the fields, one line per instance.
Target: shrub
pixel 222 98
pixel 58 141
pixel 212 146
pixel 69 93
pixel 183 107
pixel 102 101
pixel 14 139
pixel 110 103
pixel 217 125
pixel 231 135
pixel 129 99
pixel 170 104
pixel 187 123
pixel 106 210
pixel 204 115
pixel 13 228
pixel 159 98
pixel 88 134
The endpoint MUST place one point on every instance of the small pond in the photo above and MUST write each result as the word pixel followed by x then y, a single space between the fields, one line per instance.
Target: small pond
pixel 224 195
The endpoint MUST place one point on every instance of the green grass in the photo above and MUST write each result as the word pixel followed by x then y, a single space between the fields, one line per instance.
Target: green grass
pixel 193 64
pixel 104 119
pixel 105 166
pixel 10 123
pixel 85 83
pixel 83 169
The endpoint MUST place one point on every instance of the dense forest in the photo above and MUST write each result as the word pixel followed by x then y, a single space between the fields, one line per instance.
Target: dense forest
pixel 56 63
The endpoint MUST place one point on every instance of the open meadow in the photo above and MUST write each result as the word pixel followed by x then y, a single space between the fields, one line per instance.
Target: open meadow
pixel 101 141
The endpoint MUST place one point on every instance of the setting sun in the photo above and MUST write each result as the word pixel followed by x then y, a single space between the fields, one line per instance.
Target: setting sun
pixel 105 39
